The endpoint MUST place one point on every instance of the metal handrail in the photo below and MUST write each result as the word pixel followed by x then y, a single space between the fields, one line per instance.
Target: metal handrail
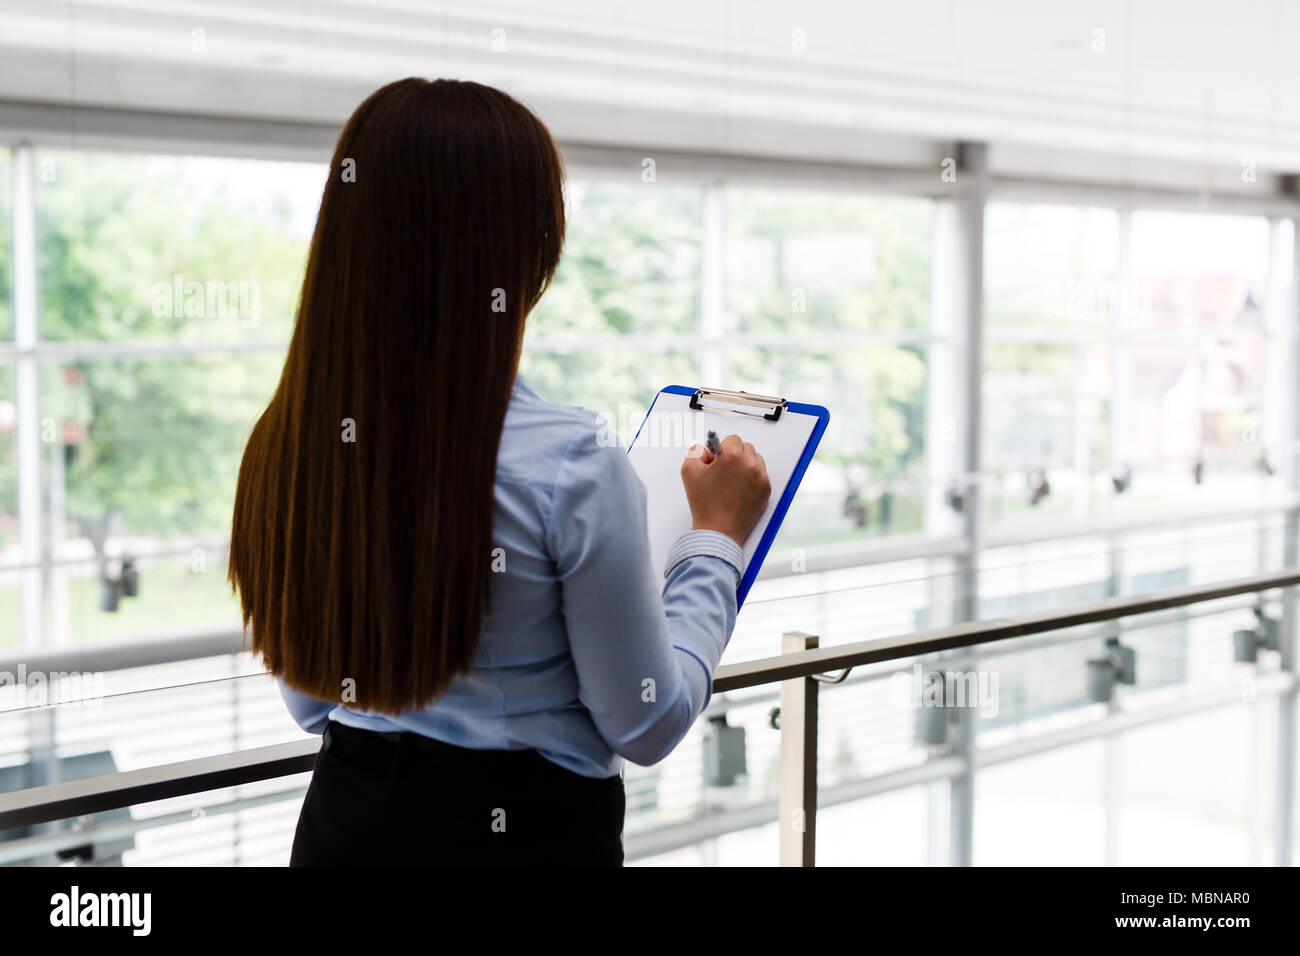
pixel 114 791
pixel 74 798
pixel 823 659
pixel 123 655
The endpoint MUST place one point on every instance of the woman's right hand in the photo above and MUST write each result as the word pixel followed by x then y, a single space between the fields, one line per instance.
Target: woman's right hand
pixel 727 492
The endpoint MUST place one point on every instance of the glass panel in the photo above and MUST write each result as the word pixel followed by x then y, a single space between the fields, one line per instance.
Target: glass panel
pixel 105 722
pixel 1051 275
pixel 1052 297
pixel 1044 810
pixel 866 727
pixel 877 722
pixel 1199 271
pixel 821 262
pixel 9 542
pixel 1050 267
pixel 617 381
pixel 1195 422
pixel 1175 813
pixel 867 478
pixel 631 266
pixel 893 829
pixel 1202 553
pixel 1041 576
pixel 631 263
pixel 6 247
pixel 171 247
pixel 141 458
pixel 1046 430
pixel 249 825
pixel 1195 408
pixel 843 606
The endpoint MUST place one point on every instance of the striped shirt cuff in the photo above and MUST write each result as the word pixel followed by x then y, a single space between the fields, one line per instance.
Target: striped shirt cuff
pixel 713 544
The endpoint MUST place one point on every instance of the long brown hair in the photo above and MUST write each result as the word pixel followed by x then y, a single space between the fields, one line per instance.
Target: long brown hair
pixel 361 545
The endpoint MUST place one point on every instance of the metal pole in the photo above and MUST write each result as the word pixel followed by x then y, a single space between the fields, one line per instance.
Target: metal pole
pixel 1284 814
pixel 1121 455
pixel 1112 793
pixel 797 804
pixel 27 394
pixel 969 341
pixel 1286 713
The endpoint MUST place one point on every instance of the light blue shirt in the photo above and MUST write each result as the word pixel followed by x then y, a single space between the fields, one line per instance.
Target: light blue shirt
pixel 587 653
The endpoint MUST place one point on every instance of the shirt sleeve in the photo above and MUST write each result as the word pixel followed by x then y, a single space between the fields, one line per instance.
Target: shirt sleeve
pixel 645 641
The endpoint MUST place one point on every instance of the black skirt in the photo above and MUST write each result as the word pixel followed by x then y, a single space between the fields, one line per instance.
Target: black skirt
pixel 406 800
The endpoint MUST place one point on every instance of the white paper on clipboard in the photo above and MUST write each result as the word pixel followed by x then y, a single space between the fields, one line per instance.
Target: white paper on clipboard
pixel 672 426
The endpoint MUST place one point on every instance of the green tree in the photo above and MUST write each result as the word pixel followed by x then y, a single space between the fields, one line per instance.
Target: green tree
pixel 160 437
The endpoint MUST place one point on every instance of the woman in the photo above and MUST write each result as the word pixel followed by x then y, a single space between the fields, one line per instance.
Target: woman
pixel 450 577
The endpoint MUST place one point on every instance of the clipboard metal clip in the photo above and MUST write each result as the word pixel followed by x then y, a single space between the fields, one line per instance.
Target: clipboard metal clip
pixel 765 406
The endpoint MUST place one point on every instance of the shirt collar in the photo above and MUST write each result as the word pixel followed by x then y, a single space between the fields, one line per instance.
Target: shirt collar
pixel 521 387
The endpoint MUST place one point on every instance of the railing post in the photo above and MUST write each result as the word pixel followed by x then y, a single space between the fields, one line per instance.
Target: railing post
pixel 797 806
pixel 1284 812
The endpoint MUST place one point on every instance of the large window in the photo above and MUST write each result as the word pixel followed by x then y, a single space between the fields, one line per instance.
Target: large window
pixel 1125 355
pixel 1133 362
pixel 167 287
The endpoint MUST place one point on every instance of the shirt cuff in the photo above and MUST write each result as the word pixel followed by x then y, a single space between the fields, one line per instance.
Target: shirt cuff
pixel 713 544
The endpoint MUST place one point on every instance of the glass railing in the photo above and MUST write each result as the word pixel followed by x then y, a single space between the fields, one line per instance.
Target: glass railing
pixel 1121 716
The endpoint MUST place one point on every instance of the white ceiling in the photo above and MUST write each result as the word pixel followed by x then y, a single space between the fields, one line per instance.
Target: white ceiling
pixel 1205 81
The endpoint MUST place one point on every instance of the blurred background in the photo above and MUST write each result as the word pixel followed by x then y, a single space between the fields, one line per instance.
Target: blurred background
pixel 1037 259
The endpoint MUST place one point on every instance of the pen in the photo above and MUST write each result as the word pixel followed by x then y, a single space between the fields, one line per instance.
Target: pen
pixel 713 444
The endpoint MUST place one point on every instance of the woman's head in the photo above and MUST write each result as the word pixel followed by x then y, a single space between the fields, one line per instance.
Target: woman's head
pixel 450 186
pixel 361 542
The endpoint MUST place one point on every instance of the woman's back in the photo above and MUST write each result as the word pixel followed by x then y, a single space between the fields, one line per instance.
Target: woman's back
pixel 573 659
pixel 450 577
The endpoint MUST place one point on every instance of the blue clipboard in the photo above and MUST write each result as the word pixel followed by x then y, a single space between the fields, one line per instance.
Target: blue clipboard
pixel 759 409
